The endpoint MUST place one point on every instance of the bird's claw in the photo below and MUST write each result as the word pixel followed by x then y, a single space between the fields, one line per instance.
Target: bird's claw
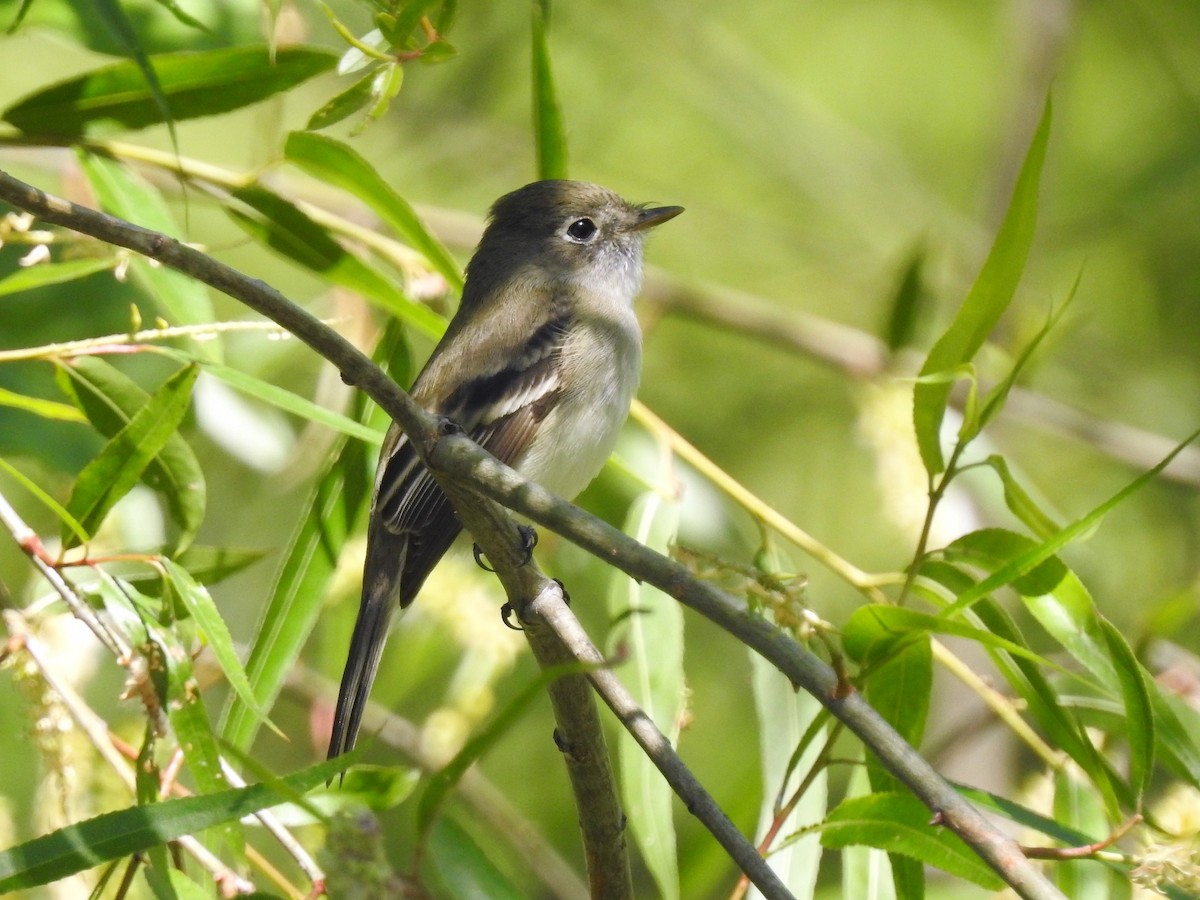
pixel 478 554
pixel 506 611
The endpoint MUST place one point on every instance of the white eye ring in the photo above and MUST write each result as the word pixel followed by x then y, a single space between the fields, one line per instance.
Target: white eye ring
pixel 582 230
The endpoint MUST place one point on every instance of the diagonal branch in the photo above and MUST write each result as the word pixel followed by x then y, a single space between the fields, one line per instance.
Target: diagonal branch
pixel 455 459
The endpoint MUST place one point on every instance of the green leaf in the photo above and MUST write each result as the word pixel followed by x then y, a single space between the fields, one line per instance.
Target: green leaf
pixel 875 631
pixel 344 104
pixel 194 84
pixel 46 500
pixel 1020 503
pixel 118 834
pixel 789 721
pixel 179 299
pixel 52 273
pixel 336 505
pixel 1135 692
pixel 377 788
pixel 899 689
pixel 907 304
pixel 118 24
pixel 997 396
pixel 47 409
pixel 110 400
pixel 1075 805
pixel 650 636
pixel 280 398
pixel 1030 560
pixel 460 868
pixel 988 298
pixel 111 475
pixel 282 226
pixel 384 87
pixel 334 163
pixel 202 609
pixel 899 823
pixel 549 131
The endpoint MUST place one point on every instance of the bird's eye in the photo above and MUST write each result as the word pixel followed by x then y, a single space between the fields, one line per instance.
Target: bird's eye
pixel 581 230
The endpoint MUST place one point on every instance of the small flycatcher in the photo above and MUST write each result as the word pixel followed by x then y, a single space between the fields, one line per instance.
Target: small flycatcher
pixel 538 366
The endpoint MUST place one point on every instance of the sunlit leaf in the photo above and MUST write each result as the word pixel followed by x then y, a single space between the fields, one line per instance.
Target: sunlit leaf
pixel 112 474
pixel 194 84
pixel 336 505
pixel 286 229
pixel 216 634
pixel 111 400
pixel 649 634
pixel 335 163
pixel 988 298
pixel 119 834
pixel 899 823
pixel 344 104
pixel 52 273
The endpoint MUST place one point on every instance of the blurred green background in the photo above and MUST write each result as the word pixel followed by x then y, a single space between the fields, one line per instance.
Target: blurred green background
pixel 818 148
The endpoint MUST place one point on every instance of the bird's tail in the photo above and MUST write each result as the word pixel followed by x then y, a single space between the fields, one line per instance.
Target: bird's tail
pixel 380 596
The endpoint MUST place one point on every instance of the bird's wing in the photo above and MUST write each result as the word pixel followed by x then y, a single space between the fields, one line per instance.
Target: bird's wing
pixel 412 522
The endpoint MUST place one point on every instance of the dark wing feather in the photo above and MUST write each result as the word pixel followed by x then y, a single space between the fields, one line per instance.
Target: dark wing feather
pixel 413 523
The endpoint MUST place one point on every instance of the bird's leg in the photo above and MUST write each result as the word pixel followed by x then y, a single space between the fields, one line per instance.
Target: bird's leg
pixel 529 540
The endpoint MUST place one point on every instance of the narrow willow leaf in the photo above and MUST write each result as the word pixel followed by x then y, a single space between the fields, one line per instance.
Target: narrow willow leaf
pixel 194 84
pixel 649 634
pixel 460 868
pixel 110 400
pixel 899 689
pixel 377 788
pixel 119 834
pixel 205 564
pixel 52 273
pixel 46 500
pixel 997 396
pixel 1030 560
pixel 280 398
pixel 118 24
pixel 185 707
pixel 216 634
pixel 549 131
pixel 1020 503
pixel 337 504
pixel 785 717
pixel 985 302
pixel 285 228
pixel 866 872
pixel 343 105
pixel 47 409
pixel 1076 806
pixel 875 631
pixel 384 87
pixel 907 305
pixel 334 163
pixel 180 300
pixel 899 823
pixel 1024 675
pixel 1135 691
pixel 112 474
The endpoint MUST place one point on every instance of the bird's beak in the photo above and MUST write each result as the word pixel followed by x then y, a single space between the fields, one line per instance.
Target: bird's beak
pixel 648 218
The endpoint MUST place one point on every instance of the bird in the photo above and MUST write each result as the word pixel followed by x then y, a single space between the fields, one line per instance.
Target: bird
pixel 538 366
